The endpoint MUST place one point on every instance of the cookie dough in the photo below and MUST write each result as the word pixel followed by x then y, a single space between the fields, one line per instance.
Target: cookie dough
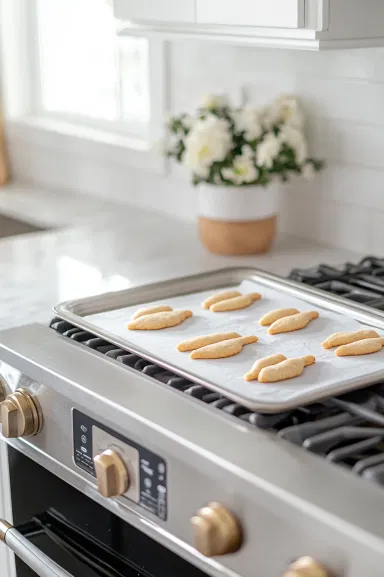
pixel 292 323
pixel 151 310
pixel 219 297
pixel 286 369
pixel 363 347
pixel 338 339
pixel 253 374
pixel 275 315
pixel 236 303
pixel 203 341
pixel 223 349
pixel 156 321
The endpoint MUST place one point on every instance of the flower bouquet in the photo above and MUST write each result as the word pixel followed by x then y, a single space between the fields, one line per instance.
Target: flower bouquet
pixel 237 157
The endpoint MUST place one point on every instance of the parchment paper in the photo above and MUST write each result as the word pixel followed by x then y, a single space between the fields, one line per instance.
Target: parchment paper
pixel 329 375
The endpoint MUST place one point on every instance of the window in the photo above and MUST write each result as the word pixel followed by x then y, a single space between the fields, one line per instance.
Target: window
pixel 68 70
pixel 85 71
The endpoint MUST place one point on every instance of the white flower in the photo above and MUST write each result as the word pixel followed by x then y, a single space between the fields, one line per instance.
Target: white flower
pixel 286 110
pixel 214 101
pixel 268 150
pixel 248 120
pixel 295 139
pixel 243 171
pixel 208 141
pixel 290 111
pixel 308 171
pixel 247 151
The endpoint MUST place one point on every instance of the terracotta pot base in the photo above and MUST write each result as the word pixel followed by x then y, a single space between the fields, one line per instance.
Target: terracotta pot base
pixel 237 238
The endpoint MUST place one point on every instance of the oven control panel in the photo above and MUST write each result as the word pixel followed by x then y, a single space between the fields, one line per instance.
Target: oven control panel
pixel 119 462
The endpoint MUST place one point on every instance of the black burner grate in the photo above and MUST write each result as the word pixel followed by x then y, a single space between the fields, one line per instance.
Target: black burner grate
pixel 347 430
pixel 354 436
pixel 362 282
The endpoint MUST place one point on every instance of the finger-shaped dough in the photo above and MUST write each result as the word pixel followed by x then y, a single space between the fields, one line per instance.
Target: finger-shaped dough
pixel 338 339
pixel 236 303
pixel 364 347
pixel 261 364
pixel 156 321
pixel 223 349
pixel 286 369
pixel 151 310
pixel 219 297
pixel 203 341
pixel 292 323
pixel 273 316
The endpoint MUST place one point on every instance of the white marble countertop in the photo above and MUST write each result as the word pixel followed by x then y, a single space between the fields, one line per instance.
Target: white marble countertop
pixel 104 246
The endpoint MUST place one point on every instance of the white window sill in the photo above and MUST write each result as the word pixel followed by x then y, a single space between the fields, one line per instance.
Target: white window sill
pixel 66 138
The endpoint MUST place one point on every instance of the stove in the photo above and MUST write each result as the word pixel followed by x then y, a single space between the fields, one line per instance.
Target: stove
pixel 347 430
pixel 230 491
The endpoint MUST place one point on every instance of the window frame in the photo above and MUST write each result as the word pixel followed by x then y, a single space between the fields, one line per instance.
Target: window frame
pixel 19 87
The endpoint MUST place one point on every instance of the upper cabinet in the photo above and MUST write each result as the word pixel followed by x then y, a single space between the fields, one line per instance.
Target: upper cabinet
pixel 165 11
pixel 266 13
pixel 305 24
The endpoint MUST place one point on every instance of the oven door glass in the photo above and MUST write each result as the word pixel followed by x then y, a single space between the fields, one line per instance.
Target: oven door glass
pixel 80 535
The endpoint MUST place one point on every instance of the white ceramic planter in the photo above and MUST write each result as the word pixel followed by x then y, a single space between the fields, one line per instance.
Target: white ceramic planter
pixel 237 220
pixel 238 204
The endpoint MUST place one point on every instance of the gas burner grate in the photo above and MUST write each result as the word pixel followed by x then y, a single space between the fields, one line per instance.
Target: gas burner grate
pixel 347 430
pixel 362 282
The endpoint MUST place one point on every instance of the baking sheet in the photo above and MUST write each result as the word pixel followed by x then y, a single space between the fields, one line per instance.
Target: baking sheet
pixel 330 374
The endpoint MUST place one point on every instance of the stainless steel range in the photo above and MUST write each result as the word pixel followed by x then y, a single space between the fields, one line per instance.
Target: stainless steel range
pixel 149 470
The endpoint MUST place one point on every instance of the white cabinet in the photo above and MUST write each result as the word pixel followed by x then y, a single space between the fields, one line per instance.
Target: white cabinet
pixel 156 10
pixel 271 13
pixel 303 24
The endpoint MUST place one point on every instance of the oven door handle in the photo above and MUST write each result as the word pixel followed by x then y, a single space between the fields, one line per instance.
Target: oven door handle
pixel 36 560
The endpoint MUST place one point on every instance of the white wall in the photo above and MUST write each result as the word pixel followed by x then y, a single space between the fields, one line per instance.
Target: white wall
pixel 343 95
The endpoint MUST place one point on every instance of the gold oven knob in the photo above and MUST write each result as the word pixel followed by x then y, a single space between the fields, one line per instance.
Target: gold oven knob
pixel 216 531
pixel 112 475
pixel 21 414
pixel 306 567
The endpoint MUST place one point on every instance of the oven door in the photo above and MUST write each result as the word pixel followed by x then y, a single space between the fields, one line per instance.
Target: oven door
pixel 59 532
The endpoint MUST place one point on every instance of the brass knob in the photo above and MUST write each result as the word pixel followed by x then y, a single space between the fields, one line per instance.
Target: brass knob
pixel 21 414
pixel 112 475
pixel 216 531
pixel 306 567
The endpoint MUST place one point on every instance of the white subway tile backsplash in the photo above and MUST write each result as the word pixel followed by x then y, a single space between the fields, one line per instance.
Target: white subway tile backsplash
pixel 342 99
pixel 363 64
pixel 330 222
pixel 347 142
pixel 342 225
pixel 354 185
pixel 377 232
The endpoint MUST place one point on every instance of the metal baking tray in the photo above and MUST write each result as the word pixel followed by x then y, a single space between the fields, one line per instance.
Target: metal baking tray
pixel 107 315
